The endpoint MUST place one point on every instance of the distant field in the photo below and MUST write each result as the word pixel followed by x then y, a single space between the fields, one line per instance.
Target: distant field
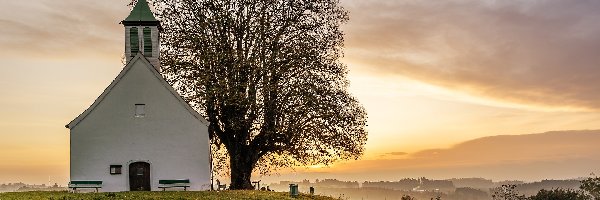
pixel 156 195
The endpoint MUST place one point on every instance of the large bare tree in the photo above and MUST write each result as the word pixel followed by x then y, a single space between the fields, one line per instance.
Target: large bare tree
pixel 267 76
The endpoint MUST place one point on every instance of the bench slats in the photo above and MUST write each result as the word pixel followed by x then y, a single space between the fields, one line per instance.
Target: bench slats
pixel 85 182
pixel 88 186
pixel 184 183
pixel 177 181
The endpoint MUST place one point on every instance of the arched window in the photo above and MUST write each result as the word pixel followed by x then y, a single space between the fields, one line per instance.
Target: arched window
pixel 147 42
pixel 134 41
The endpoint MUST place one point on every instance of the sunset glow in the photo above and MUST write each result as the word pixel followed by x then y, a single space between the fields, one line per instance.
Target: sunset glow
pixel 438 79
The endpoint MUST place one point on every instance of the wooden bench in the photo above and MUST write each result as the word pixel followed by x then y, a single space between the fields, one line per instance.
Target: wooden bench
pixel 85 184
pixel 164 184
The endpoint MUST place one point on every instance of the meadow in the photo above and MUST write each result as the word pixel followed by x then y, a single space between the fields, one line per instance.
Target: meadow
pixel 206 195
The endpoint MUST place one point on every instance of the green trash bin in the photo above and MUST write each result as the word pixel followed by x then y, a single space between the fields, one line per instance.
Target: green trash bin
pixel 294 190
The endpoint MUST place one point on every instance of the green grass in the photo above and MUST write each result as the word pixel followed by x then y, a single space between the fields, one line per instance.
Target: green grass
pixel 262 195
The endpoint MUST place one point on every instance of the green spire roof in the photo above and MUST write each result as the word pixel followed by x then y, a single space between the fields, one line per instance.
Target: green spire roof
pixel 140 13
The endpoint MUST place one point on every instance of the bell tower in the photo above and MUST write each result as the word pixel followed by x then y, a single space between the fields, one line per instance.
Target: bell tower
pixel 141 34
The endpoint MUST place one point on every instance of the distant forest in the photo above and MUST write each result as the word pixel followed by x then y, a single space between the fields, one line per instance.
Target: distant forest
pixel 423 188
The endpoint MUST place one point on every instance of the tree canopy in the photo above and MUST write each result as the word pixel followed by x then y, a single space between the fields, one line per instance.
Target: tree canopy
pixel 267 76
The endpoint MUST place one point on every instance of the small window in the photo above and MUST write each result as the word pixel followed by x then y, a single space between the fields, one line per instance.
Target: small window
pixel 115 169
pixel 140 110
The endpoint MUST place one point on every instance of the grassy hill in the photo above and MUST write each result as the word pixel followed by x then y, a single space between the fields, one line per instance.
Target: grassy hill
pixel 208 195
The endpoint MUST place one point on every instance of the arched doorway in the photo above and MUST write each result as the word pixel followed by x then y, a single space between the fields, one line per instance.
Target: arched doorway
pixel 139 176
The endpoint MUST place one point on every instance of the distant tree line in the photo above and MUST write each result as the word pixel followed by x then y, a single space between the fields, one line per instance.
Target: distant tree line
pixel 588 190
pixel 412 189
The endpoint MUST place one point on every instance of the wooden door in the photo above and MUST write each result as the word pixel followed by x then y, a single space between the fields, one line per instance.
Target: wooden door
pixel 139 176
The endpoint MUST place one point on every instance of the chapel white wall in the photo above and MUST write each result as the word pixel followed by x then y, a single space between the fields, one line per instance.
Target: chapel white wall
pixel 169 137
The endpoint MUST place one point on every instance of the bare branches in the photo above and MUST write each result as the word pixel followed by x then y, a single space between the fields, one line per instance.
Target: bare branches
pixel 267 76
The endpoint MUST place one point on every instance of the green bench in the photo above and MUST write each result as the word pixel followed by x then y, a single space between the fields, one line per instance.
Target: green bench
pixel 164 184
pixel 85 184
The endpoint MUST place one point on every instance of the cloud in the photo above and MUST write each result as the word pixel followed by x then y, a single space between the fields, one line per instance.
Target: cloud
pixel 48 28
pixel 562 154
pixel 531 52
pixel 398 153
pixel 392 155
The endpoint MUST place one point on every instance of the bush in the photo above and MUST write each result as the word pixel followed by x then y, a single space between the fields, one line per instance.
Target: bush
pixel 591 186
pixel 559 194
pixel 507 192
pixel 407 197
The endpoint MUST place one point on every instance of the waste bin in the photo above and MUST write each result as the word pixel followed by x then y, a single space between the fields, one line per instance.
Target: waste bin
pixel 294 190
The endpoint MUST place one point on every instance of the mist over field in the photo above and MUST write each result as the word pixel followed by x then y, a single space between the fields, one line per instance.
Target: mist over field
pixel 531 157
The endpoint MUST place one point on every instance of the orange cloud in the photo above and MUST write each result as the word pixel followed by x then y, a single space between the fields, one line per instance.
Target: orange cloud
pixel 61 28
pixel 564 154
pixel 538 53
pixel 398 153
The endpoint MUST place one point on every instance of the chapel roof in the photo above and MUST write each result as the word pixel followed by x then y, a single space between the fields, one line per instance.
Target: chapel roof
pixel 138 58
pixel 141 13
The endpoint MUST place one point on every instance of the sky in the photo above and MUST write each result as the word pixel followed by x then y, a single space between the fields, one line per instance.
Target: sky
pixel 439 80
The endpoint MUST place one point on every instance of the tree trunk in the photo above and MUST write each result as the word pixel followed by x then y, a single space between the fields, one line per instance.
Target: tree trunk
pixel 241 170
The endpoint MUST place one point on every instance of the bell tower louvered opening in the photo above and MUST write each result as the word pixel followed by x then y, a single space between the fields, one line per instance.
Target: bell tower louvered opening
pixel 134 41
pixel 147 42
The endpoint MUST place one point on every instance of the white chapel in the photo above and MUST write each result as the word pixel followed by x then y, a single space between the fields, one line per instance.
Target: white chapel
pixel 139 131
